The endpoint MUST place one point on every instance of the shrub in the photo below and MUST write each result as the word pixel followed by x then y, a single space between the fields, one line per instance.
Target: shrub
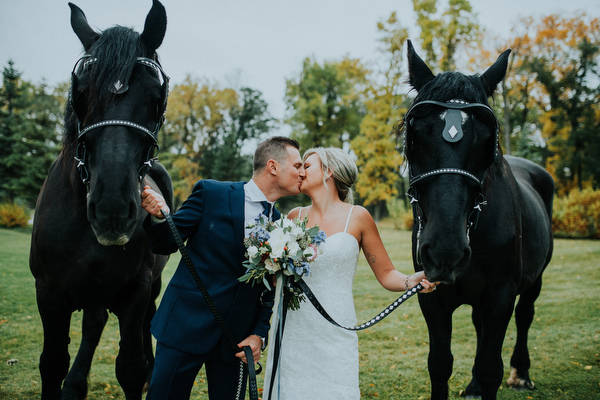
pixel 13 216
pixel 402 217
pixel 577 215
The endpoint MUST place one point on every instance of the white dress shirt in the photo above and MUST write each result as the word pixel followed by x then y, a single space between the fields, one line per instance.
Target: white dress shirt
pixel 253 207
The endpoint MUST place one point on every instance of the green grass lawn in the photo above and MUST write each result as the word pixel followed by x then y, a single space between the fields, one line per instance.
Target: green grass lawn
pixel 564 339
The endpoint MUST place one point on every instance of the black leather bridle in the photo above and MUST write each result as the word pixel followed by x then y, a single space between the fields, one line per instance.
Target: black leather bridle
pixel 452 132
pixel 118 88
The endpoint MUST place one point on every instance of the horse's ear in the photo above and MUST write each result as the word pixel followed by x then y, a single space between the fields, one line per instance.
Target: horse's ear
pixel 82 29
pixel 154 27
pixel 494 74
pixel 419 73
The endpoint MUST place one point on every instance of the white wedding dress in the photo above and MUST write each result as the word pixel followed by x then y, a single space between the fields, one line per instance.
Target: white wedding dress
pixel 319 360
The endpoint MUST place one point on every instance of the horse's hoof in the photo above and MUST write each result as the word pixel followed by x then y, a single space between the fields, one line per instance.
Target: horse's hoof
pixel 467 395
pixel 514 381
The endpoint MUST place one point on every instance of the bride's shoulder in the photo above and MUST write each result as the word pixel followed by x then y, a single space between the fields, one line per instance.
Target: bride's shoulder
pixel 294 213
pixel 361 214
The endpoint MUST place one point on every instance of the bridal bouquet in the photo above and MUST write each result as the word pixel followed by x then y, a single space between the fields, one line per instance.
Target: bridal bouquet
pixel 283 247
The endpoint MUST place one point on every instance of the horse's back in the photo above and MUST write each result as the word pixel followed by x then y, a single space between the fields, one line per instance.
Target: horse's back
pixel 538 178
pixel 537 193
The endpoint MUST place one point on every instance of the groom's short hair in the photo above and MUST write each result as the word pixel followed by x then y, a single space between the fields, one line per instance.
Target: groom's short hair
pixel 274 148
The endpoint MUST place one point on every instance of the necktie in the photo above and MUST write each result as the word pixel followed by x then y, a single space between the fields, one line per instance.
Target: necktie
pixel 267 208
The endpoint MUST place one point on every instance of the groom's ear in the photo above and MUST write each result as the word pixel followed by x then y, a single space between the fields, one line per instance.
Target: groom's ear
pixel 272 167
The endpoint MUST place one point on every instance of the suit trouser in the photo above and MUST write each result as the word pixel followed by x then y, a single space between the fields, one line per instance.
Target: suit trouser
pixel 175 372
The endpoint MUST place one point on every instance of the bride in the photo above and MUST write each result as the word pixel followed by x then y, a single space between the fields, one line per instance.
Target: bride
pixel 317 359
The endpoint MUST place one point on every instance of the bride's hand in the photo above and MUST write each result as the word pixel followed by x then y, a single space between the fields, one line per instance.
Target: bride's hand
pixel 419 277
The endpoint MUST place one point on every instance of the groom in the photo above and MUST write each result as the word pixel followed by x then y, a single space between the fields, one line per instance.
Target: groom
pixel 212 220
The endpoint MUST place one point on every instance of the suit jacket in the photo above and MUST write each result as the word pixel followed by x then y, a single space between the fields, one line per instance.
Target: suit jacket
pixel 212 222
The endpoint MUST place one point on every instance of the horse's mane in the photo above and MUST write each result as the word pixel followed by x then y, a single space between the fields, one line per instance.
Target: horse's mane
pixel 453 85
pixel 115 53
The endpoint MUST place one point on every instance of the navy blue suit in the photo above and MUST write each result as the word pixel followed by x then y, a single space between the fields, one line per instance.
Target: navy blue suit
pixel 212 222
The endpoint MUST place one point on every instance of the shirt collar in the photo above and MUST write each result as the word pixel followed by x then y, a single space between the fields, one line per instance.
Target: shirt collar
pixel 254 192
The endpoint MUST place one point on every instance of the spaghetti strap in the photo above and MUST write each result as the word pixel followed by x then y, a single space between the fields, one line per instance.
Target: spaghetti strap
pixel 348 220
pixel 300 212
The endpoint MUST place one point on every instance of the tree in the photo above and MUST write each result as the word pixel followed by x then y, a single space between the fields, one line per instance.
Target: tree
pixel 378 159
pixel 563 55
pixel 326 101
pixel 30 118
pixel 441 37
pixel 205 131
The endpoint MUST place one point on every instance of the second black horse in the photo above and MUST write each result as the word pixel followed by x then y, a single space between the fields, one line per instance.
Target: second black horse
pixel 482 223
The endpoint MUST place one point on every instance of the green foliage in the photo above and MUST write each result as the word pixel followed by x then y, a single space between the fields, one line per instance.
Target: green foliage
pixel 326 101
pixel 206 129
pixel 442 36
pixel 555 77
pixel 378 159
pixel 30 118
pixel 577 215
pixel 393 354
pixel 400 215
pixel 13 216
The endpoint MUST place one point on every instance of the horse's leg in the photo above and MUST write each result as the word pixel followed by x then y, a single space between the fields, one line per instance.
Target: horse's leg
pixel 495 316
pixel 148 348
pixel 131 364
pixel 520 362
pixel 94 320
pixel 473 389
pixel 440 359
pixel 56 319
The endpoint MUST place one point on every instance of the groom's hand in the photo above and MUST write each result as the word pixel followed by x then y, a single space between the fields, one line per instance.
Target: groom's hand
pixel 255 344
pixel 153 202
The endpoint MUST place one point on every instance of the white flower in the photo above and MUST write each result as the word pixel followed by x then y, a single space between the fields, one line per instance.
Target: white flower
pixel 293 247
pixel 297 231
pixel 252 251
pixel 287 222
pixel 310 253
pixel 278 241
pixel 271 266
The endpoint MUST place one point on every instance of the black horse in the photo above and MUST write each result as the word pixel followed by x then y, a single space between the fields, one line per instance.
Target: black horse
pixel 88 249
pixel 482 223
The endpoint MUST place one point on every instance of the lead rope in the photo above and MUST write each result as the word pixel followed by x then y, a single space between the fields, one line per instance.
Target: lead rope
pixel 252 386
pixel 378 318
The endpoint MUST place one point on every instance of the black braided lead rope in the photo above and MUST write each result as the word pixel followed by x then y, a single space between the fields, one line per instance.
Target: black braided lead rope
pixel 378 318
pixel 252 386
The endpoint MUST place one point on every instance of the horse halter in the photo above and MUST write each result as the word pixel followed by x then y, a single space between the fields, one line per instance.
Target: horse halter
pixel 452 133
pixel 118 88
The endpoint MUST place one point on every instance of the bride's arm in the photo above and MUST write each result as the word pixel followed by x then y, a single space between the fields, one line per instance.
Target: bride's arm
pixel 379 260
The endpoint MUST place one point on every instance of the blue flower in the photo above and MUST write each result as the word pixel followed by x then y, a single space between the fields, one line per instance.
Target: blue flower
pixel 320 238
pixel 260 233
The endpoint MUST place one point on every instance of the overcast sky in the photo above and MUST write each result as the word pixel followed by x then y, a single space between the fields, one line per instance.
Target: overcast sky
pixel 254 43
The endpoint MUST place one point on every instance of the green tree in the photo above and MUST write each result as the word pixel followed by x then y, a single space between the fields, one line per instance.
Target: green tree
pixel 30 118
pixel 378 159
pixel 326 102
pixel 205 131
pixel 248 119
pixel 562 55
pixel 442 36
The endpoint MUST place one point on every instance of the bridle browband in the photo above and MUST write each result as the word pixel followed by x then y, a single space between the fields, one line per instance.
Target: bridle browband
pixel 451 133
pixel 119 88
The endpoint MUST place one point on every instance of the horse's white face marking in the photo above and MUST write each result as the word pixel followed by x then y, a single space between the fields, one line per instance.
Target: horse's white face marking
pixel 464 115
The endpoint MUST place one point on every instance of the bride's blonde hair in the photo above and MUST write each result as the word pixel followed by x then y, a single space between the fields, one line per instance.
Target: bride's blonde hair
pixel 343 168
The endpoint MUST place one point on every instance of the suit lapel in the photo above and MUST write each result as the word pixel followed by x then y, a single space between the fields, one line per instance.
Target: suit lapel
pixel 236 204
